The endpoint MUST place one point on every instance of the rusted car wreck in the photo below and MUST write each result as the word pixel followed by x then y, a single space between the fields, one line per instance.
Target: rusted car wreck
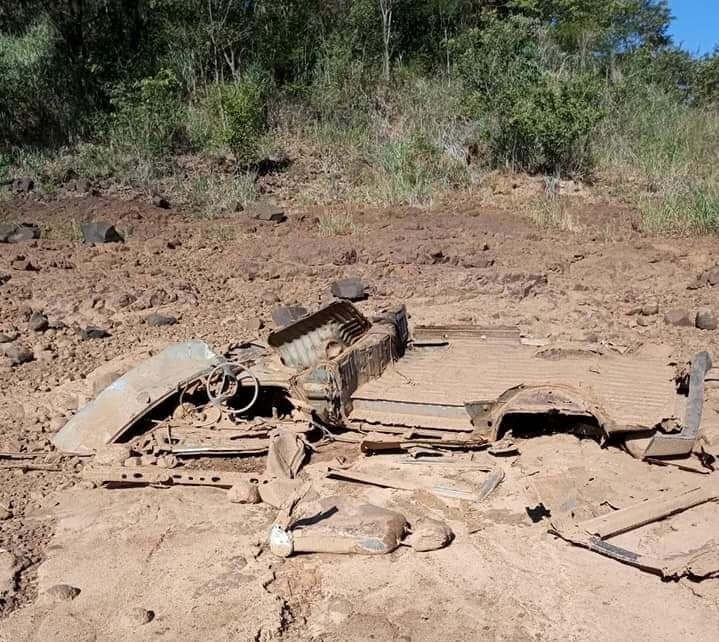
pixel 336 374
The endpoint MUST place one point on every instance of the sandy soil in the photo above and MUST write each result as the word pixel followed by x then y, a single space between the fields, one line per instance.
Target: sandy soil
pixel 198 562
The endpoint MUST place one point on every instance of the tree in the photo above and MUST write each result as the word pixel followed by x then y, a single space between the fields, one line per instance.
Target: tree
pixel 385 7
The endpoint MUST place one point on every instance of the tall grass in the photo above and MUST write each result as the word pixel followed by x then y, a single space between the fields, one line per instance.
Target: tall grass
pixel 669 153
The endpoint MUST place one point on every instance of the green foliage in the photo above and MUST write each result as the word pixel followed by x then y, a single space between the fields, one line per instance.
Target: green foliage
pixel 147 115
pixel 35 104
pixel 408 171
pixel 230 116
pixel 538 119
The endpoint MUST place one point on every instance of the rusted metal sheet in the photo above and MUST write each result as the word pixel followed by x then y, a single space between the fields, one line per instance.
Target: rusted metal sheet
pixel 431 386
pixel 144 475
pixel 319 336
pixel 132 396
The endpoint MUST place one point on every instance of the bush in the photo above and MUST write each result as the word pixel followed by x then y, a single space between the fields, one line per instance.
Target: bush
pixel 409 170
pixel 231 116
pixel 147 116
pixel 35 104
pixel 536 119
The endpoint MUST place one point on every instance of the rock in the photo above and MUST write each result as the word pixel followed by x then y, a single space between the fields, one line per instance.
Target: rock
pixel 265 211
pixel 477 262
pixel 649 309
pixel 679 317
pixel 93 332
pixel 524 288
pixel 244 492
pixel 284 315
pixel 706 319
pixel 138 616
pixel 351 289
pixel 22 232
pixel 38 322
pixel 17 353
pixel 4 278
pixel 112 455
pixel 8 572
pixel 23 185
pixel 157 320
pixel 160 297
pixel 438 257
pixel 81 185
pixel 5 512
pixel 9 336
pixel 63 592
pixel 158 200
pixel 346 257
pixel 429 535
pixel 100 232
pixel 705 278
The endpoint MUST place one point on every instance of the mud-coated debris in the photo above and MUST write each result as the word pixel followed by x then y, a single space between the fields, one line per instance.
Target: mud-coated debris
pixel 157 320
pixel 679 317
pixel 706 278
pixel 38 322
pixel 429 535
pixel 351 289
pixel 264 211
pixel 284 315
pixel 22 232
pixel 706 319
pixel 8 571
pixel 4 278
pixel 527 286
pixel 158 200
pixel 137 616
pixel 5 512
pixel 148 460
pixel 112 455
pixel 131 462
pixel 244 492
pixel 93 332
pixel 100 232
pixel 167 461
pixel 63 592
pixel 17 353
pixel 23 185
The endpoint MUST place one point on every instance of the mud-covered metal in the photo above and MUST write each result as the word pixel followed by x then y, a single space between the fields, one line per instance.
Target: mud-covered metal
pixel 131 397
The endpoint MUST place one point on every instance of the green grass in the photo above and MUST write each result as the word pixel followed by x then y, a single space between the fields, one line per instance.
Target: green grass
pixel 220 194
pixel 336 224
pixel 691 210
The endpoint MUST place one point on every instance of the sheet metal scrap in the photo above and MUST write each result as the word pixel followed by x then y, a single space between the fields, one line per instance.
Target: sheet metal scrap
pixel 594 534
pixel 432 388
pixel 116 409
pixel 156 476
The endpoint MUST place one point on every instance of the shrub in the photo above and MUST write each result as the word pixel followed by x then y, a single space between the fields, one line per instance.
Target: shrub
pixel 536 118
pixel 147 116
pixel 230 116
pixel 35 104
pixel 408 170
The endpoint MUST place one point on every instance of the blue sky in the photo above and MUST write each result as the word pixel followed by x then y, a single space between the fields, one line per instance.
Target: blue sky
pixel 696 24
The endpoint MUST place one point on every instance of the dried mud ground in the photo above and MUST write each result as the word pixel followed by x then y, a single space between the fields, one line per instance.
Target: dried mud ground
pixel 198 562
